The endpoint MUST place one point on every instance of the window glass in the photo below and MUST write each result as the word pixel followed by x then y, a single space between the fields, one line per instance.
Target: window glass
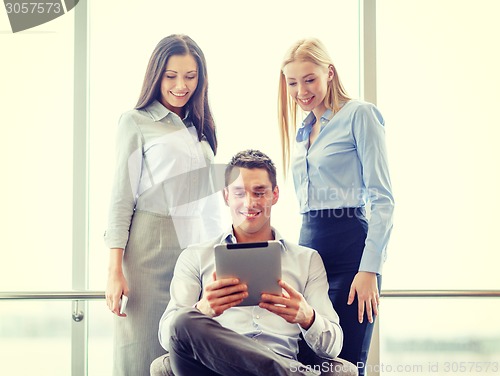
pixel 36 97
pixel 100 341
pixel 438 82
pixel 433 340
pixel 35 338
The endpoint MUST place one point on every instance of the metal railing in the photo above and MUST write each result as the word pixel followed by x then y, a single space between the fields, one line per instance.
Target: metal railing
pixel 77 297
pixel 97 295
pixel 52 295
pixel 439 293
pixel 374 356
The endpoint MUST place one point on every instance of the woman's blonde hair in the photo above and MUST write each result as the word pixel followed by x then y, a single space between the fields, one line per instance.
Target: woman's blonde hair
pixel 312 50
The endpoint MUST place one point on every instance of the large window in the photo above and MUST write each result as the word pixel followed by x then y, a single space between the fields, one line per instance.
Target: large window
pixel 36 96
pixel 437 82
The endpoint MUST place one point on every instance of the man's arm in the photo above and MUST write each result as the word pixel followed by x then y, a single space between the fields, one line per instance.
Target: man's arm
pixel 186 287
pixel 185 291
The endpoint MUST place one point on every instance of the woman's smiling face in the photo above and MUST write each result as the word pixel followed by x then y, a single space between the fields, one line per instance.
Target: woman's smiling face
pixel 179 82
pixel 307 84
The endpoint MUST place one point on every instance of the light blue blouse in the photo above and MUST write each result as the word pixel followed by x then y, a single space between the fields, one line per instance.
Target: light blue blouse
pixel 346 166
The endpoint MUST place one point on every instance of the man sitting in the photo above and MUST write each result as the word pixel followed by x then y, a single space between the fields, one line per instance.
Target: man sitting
pixel 207 333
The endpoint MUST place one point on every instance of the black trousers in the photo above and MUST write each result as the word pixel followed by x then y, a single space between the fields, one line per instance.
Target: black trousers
pixel 339 236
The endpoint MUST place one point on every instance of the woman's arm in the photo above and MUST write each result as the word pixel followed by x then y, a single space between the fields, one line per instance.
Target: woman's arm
pixel 117 284
pixel 369 133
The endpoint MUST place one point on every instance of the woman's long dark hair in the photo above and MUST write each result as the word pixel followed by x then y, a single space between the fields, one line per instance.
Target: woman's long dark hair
pixel 197 108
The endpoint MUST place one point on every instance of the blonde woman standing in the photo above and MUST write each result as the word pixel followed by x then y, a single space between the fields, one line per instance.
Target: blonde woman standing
pixel 339 166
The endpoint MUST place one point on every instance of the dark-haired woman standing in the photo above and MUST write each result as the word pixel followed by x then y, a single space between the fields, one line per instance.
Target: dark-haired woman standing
pixel 162 198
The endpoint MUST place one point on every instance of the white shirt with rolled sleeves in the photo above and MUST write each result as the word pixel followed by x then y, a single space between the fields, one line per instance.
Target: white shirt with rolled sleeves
pixel 163 168
pixel 302 268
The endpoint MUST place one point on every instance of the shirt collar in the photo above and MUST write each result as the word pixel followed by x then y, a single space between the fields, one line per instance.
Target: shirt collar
pixel 326 117
pixel 158 111
pixel 228 237
pixel 305 130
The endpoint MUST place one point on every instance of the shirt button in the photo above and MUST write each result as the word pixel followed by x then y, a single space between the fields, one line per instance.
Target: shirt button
pixel 257 317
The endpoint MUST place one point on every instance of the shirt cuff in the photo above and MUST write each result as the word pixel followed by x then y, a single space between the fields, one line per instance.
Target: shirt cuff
pixel 313 334
pixel 113 239
pixel 371 261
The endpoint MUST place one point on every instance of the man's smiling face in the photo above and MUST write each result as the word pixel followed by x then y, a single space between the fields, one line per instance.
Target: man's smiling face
pixel 250 197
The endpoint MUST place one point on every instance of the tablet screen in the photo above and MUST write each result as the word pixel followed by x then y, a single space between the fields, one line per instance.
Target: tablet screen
pixel 256 264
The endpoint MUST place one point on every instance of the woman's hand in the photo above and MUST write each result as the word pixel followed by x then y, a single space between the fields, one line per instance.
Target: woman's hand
pixel 365 286
pixel 117 284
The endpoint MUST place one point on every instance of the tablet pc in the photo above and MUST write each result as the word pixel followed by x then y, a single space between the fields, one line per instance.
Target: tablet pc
pixel 256 264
